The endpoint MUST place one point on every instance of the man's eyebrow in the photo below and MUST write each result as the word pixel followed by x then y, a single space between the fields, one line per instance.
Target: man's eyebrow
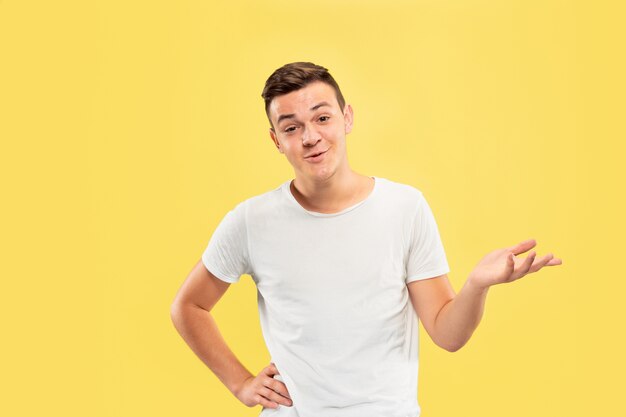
pixel 291 115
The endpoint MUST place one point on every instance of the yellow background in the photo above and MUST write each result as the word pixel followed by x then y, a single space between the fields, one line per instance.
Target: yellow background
pixel 129 129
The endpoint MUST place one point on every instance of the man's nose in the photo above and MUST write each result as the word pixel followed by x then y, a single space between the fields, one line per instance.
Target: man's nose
pixel 310 136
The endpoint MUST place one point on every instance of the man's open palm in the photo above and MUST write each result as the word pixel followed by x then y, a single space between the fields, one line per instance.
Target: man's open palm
pixel 502 265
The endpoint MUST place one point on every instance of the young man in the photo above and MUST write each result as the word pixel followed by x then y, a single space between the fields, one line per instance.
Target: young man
pixel 345 265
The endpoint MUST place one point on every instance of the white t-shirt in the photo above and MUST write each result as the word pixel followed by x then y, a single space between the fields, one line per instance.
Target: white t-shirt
pixel 334 308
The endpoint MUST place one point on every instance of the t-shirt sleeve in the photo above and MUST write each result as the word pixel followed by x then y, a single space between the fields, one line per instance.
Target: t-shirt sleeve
pixel 427 258
pixel 226 255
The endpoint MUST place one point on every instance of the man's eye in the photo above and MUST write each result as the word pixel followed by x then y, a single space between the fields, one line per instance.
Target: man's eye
pixel 289 129
pixel 325 118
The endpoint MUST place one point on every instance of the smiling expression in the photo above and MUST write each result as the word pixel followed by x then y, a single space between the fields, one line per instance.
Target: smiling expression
pixel 309 122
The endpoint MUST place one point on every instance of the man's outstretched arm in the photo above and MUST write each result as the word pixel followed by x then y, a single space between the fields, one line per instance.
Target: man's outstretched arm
pixel 450 319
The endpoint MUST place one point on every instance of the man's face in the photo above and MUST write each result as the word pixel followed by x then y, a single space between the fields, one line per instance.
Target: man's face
pixel 309 121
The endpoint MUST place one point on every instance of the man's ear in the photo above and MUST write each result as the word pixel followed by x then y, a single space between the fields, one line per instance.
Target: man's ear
pixel 274 139
pixel 348 118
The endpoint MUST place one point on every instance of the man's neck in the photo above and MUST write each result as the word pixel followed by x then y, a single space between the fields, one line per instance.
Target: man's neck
pixel 333 195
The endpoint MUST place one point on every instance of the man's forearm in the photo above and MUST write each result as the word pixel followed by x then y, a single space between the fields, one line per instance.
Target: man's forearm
pixel 458 318
pixel 199 330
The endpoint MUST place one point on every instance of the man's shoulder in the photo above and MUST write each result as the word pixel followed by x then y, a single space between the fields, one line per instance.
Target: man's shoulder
pixel 399 190
pixel 263 200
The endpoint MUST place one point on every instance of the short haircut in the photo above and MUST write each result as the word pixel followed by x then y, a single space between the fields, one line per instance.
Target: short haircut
pixel 294 76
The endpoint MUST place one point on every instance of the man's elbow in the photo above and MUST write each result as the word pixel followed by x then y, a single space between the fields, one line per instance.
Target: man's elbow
pixel 451 347
pixel 177 312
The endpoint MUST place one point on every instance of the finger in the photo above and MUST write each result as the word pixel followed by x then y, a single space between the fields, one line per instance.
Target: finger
pixel 272 395
pixel 282 400
pixel 279 387
pixel 265 402
pixel 510 264
pixel 555 261
pixel 550 261
pixel 525 266
pixel 274 374
pixel 523 246
pixel 267 393
pixel 538 264
pixel 270 369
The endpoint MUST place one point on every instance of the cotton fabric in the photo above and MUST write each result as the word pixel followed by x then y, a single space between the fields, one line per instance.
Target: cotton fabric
pixel 332 294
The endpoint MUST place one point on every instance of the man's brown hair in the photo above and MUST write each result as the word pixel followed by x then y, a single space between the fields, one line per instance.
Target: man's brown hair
pixel 294 76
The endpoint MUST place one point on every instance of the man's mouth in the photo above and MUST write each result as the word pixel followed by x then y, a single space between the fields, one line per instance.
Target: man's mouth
pixel 314 155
